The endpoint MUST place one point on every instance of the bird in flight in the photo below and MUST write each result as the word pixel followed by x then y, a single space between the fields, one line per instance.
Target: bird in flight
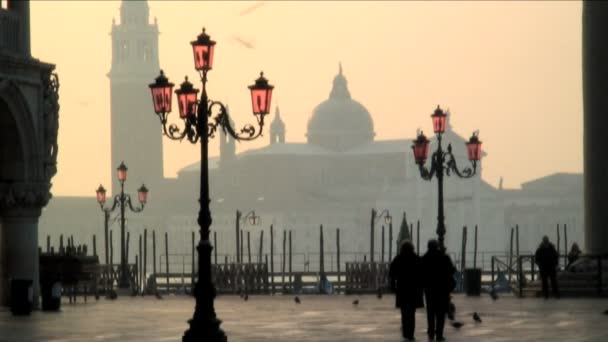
pixel 243 42
pixel 251 8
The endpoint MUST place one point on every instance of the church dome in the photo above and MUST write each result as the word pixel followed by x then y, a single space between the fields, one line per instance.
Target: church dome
pixel 340 123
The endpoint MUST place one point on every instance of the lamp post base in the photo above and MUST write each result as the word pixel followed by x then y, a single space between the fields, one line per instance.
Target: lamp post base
pixel 205 329
pixel 204 325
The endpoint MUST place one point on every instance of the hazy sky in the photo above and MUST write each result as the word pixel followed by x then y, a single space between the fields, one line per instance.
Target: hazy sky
pixel 510 69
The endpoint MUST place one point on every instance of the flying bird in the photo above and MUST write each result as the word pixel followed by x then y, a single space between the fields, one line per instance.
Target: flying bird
pixel 297 300
pixel 457 324
pixel 476 317
pixel 356 302
pixel 243 42
pixel 252 8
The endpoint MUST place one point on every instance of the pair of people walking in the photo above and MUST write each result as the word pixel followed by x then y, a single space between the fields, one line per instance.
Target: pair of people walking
pixel 411 275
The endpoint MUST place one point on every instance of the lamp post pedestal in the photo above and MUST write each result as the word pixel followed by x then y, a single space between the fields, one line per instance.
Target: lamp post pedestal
pixel 204 325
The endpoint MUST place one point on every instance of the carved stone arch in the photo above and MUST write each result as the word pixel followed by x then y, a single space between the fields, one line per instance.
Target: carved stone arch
pixel 13 104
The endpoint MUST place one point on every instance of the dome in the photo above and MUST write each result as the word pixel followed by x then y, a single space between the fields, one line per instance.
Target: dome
pixel 340 123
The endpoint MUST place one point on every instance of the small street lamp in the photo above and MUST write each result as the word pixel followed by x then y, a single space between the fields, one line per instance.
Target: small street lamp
pixel 201 124
pixel 252 218
pixel 443 161
pixel 388 219
pixel 121 199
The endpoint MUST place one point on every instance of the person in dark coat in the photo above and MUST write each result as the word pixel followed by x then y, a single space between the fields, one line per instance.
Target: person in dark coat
pixel 574 254
pixel 438 283
pixel 406 283
pixel 546 258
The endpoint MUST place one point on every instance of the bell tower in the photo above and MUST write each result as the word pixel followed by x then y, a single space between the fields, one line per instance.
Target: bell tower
pixel 136 136
pixel 277 129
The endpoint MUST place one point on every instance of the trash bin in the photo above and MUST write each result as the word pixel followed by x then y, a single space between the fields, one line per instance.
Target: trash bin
pixel 51 295
pixel 472 281
pixel 22 296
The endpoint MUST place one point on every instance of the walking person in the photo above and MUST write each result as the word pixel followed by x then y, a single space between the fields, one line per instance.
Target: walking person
pixel 574 254
pixel 406 283
pixel 438 283
pixel 547 259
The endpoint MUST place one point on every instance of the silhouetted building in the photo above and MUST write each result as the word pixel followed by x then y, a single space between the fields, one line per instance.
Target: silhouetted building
pixel 29 111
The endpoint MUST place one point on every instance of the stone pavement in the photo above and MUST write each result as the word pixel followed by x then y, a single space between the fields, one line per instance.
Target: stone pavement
pixel 318 318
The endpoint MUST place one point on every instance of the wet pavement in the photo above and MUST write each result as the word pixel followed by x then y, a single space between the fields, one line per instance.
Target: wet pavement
pixel 317 318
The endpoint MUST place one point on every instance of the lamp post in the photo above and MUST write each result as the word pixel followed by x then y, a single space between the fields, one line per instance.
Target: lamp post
pixel 200 124
pixel 123 200
pixel 443 162
pixel 251 218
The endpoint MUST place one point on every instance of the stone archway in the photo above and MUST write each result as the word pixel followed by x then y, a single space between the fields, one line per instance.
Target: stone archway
pixel 12 165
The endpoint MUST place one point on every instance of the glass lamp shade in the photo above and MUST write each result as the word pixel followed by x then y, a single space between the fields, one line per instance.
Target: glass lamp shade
pixel 439 120
pixel 122 172
pixel 388 219
pixel 203 48
pixel 254 220
pixel 162 90
pixel 261 95
pixel 101 194
pixel 186 99
pixel 474 148
pixel 142 194
pixel 421 148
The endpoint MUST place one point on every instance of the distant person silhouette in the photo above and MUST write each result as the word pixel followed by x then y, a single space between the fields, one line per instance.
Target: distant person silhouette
pixel 574 254
pixel 438 282
pixel 547 259
pixel 406 282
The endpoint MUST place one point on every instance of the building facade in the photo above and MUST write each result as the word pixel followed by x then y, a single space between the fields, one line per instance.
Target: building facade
pixel 29 111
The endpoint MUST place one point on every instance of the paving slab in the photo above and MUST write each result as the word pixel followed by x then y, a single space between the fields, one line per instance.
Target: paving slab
pixel 317 318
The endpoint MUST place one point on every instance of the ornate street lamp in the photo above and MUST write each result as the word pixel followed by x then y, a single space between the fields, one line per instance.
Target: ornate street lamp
pixel 200 124
pixel 252 218
pixel 443 161
pixel 121 199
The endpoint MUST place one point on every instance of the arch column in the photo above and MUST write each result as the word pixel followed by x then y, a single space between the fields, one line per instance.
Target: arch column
pixel 20 249
pixel 595 139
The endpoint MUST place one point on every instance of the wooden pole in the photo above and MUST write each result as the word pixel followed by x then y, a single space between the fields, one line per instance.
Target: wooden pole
pixel 136 275
pixel 290 259
pixel 511 254
pixel 517 241
pixel 418 237
pixel 248 247
pixel 558 239
pixel 321 252
pixel 241 248
pixel 154 257
pixel 382 246
pixel 167 258
pixel 140 265
pixel 283 261
pixel 261 246
pixel 238 244
pixel 193 260
pixel 61 244
pixel 371 236
pixel 271 259
pixel 390 241
pixel 475 250
pixel 338 253
pixel 94 245
pixel 565 245
pixel 48 243
pixel 214 249
pixel 145 262
pixel 111 249
pixel 105 232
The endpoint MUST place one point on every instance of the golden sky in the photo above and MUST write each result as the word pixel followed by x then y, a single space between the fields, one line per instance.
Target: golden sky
pixel 510 69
